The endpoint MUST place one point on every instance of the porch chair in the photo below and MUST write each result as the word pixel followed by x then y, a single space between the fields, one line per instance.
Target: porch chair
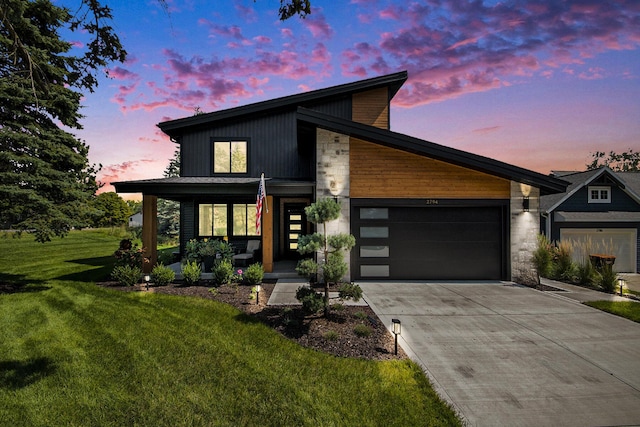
pixel 252 247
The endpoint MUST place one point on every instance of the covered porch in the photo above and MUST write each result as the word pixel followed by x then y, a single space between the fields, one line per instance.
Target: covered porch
pixel 281 222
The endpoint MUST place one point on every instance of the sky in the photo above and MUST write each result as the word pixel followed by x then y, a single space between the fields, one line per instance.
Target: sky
pixel 537 84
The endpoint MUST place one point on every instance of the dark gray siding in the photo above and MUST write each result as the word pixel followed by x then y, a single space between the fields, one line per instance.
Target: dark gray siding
pixel 187 223
pixel 579 202
pixel 276 146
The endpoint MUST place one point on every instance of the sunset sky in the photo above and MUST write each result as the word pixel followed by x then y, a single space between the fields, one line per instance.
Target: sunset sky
pixel 538 84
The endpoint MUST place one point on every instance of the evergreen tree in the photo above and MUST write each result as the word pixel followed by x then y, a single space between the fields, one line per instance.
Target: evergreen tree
pixel 46 180
pixel 169 210
pixel 113 210
pixel 332 265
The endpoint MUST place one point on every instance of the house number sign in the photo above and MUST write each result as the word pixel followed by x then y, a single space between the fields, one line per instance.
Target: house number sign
pixel 431 201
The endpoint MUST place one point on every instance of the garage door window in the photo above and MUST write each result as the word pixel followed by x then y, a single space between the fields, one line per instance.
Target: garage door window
pixel 374 271
pixel 374 251
pixel 374 213
pixel 374 232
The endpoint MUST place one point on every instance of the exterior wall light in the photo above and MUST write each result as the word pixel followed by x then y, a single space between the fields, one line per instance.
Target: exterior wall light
pixel 622 283
pixel 396 326
pixel 525 204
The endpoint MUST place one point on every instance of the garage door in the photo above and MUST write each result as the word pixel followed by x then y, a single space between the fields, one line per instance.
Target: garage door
pixel 620 242
pixel 429 243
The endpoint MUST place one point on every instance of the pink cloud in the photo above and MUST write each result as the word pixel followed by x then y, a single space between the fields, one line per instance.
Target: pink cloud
pixel 487 130
pixel 318 26
pixel 454 48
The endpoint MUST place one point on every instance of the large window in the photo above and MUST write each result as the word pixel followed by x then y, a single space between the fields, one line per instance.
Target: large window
pixel 244 220
pixel 230 157
pixel 213 220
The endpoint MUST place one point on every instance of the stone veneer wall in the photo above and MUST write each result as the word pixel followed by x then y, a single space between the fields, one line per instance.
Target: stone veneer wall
pixel 332 179
pixel 525 226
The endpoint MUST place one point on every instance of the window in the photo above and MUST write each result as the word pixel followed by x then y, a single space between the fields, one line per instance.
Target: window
pixel 244 220
pixel 230 157
pixel 599 195
pixel 213 220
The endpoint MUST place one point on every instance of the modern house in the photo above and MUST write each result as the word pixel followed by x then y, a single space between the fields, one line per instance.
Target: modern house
pixel 418 210
pixel 599 213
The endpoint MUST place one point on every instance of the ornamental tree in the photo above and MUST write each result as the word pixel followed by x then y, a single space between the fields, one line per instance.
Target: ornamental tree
pixel 332 266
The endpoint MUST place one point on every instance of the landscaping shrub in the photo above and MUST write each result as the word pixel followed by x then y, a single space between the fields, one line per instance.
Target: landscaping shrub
pixel 331 336
pixel 126 275
pixel 254 274
pixel 563 267
pixel 543 257
pixel 586 273
pixel 162 275
pixel 607 279
pixel 350 291
pixel 129 254
pixel 191 272
pixel 312 302
pixel 222 272
pixel 362 330
pixel 360 315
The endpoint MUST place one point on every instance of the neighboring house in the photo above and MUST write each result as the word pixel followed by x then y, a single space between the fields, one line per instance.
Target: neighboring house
pixel 418 210
pixel 135 220
pixel 599 213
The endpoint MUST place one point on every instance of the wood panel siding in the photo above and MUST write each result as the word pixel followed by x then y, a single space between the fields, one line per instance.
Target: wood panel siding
pixel 372 108
pixel 382 172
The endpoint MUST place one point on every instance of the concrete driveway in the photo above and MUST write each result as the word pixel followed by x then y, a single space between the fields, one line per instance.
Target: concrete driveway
pixel 514 356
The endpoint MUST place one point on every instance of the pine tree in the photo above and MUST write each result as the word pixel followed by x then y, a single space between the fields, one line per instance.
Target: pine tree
pixel 46 180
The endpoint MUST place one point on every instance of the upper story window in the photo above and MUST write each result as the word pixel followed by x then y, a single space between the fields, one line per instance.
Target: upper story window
pixel 230 157
pixel 599 195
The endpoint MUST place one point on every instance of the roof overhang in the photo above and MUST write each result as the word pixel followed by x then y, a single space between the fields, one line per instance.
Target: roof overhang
pixel 546 184
pixel 394 82
pixel 177 188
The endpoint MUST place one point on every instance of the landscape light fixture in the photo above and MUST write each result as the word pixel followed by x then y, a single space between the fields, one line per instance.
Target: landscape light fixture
pixel 525 204
pixel 147 279
pixel 258 289
pixel 396 326
pixel 621 283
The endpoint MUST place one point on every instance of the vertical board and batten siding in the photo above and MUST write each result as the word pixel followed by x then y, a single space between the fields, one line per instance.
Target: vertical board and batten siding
pixel 382 172
pixel 273 142
pixel 187 222
pixel 372 108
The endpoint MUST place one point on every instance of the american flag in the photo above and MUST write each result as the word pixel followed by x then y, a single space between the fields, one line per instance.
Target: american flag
pixel 262 194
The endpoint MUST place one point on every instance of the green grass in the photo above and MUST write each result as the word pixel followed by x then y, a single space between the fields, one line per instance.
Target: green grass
pixel 626 309
pixel 75 354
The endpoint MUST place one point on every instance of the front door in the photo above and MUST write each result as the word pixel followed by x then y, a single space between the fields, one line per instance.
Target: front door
pixel 295 224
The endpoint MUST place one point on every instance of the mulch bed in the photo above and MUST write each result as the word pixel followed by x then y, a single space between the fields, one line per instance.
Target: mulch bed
pixel 334 335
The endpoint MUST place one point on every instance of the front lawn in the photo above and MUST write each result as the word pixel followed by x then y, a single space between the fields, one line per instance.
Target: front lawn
pixel 72 353
pixel 627 309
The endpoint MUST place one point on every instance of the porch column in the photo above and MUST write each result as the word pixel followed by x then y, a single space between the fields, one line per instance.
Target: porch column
pixel 267 236
pixel 150 230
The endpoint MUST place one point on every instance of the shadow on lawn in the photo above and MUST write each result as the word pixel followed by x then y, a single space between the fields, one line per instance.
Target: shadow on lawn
pixel 18 283
pixel 16 374
pixel 104 268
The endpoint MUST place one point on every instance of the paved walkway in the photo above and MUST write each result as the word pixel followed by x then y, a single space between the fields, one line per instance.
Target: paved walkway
pixel 284 293
pixel 506 355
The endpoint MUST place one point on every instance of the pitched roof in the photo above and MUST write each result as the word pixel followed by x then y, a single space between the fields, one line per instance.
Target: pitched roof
pixel 547 184
pixel 628 181
pixel 394 82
